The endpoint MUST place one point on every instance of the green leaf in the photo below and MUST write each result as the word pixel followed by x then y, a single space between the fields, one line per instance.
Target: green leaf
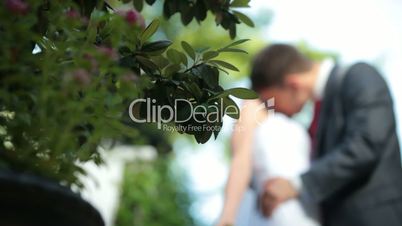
pixel 217 125
pixel 183 58
pixel 203 136
pixel 238 42
pixel 173 56
pixel 96 17
pixel 232 30
pixel 184 112
pixel 127 61
pixel 138 4
pixel 156 48
pixel 228 102
pixel 145 62
pixel 149 31
pixel 124 51
pixel 225 65
pixel 25 118
pixel 150 2
pixel 209 55
pixel 176 57
pixel 161 61
pixel 203 49
pixel 193 89
pixel 241 93
pixel 171 69
pixel 217 67
pixel 243 18
pixel 189 50
pixel 200 10
pixel 211 76
pixel 232 50
pixel 87 7
pixel 170 8
pixel 223 70
pixel 239 3
pixel 186 13
pixel 112 100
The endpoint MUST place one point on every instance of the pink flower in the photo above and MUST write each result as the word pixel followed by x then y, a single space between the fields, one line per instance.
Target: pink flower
pixel 91 59
pixel 133 17
pixel 109 52
pixel 17 6
pixel 82 77
pixel 72 14
pixel 130 77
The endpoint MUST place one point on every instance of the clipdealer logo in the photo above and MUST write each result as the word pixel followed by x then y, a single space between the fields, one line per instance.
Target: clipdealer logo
pixel 157 113
pixel 206 115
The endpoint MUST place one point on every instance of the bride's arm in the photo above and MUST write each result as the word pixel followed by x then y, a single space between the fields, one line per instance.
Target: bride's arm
pixel 241 164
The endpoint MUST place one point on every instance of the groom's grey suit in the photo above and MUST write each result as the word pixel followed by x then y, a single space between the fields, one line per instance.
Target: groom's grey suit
pixel 357 174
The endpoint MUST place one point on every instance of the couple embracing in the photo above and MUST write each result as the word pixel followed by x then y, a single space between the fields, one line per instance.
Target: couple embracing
pixel 345 171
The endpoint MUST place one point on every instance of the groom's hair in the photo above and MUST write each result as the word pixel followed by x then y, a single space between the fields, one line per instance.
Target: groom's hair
pixel 274 63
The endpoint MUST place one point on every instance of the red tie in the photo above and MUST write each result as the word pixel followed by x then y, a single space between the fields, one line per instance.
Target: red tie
pixel 314 127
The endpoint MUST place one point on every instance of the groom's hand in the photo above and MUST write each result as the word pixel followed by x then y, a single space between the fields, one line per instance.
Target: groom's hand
pixel 276 191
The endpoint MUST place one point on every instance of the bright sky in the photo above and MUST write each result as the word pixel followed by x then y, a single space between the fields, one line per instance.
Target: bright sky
pixel 358 29
pixel 369 30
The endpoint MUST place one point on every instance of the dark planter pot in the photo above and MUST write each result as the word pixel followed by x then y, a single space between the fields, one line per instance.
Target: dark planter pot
pixel 27 200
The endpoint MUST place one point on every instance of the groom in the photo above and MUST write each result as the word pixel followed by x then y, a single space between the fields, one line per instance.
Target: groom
pixel 356 174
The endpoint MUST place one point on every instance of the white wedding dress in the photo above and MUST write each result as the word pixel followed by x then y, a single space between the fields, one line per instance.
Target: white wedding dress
pixel 281 149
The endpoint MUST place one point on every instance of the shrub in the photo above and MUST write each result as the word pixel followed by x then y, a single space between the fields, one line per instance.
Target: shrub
pixel 69 70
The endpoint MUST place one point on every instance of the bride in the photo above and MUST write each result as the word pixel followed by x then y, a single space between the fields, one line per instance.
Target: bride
pixel 266 146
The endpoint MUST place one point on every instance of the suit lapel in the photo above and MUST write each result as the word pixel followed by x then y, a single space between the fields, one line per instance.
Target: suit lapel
pixel 326 104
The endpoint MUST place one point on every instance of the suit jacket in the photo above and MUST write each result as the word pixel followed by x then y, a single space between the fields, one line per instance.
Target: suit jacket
pixel 357 176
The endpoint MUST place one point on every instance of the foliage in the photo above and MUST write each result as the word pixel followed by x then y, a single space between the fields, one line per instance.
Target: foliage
pixel 194 76
pixel 224 12
pixel 158 198
pixel 66 80
pixel 215 36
